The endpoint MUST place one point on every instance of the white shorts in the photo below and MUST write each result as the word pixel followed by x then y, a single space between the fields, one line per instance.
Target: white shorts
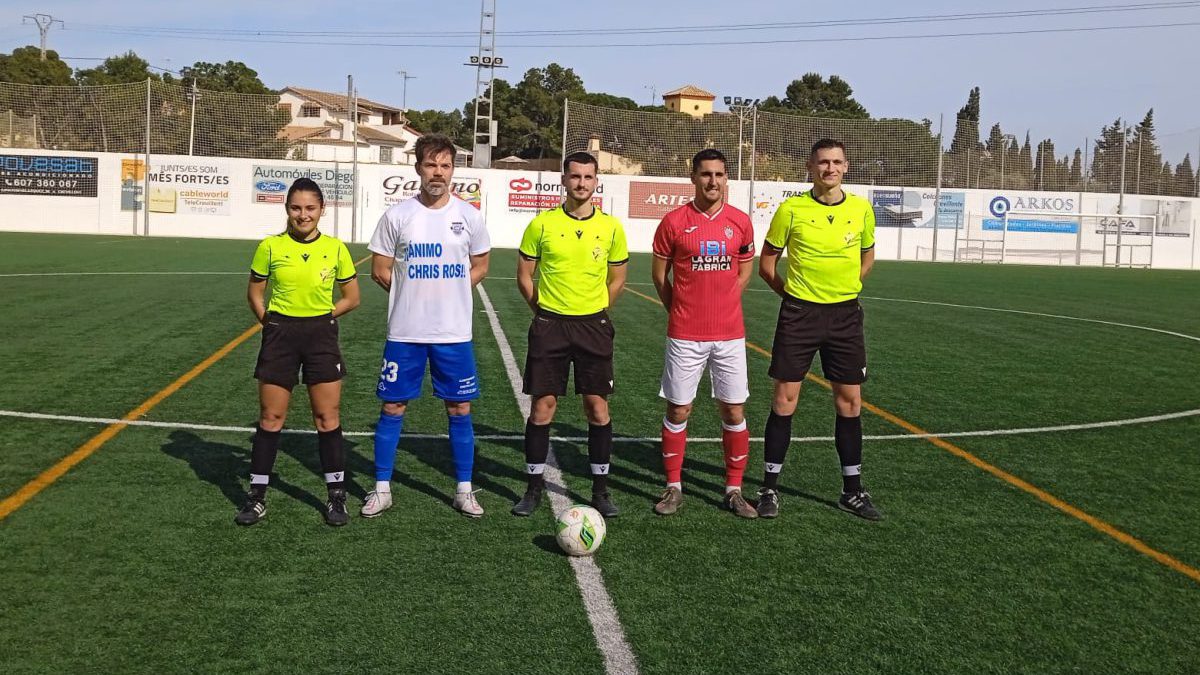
pixel 686 361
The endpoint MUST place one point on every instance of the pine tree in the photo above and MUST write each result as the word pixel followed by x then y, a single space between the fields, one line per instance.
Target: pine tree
pixel 1185 178
pixel 1144 159
pixel 1106 162
pixel 965 156
pixel 966 129
pixel 1075 173
pixel 1165 183
pixel 1024 164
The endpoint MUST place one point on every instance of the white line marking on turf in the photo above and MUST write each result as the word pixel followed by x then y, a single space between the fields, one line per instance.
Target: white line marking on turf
pixel 606 625
pixel 1046 315
pixel 1041 314
pixel 1150 419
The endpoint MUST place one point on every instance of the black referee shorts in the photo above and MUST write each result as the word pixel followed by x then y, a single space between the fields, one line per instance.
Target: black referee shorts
pixel 834 330
pixel 291 344
pixel 557 341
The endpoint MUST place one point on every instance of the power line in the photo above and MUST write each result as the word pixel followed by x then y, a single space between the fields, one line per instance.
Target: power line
pixel 863 38
pixel 721 28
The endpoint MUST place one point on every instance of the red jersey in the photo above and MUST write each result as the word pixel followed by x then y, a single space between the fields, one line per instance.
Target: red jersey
pixel 705 252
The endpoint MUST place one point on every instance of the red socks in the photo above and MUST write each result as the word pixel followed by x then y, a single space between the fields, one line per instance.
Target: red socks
pixel 735 439
pixel 674 444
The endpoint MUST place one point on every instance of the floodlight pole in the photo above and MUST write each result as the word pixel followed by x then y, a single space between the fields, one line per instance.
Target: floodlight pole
pixel 485 63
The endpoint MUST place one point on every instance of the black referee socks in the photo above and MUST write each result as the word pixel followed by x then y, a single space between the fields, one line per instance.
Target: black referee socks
pixel 600 454
pixel 776 439
pixel 263 449
pixel 333 458
pixel 537 449
pixel 847 436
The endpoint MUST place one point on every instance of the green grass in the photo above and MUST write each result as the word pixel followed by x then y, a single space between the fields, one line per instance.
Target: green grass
pixel 131 562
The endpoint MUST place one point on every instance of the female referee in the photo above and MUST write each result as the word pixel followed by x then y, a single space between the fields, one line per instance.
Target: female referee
pixel 300 334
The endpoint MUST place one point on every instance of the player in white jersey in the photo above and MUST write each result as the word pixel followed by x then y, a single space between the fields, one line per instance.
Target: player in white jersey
pixel 429 252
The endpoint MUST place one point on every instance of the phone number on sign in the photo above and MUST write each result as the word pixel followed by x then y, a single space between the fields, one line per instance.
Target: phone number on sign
pixel 41 183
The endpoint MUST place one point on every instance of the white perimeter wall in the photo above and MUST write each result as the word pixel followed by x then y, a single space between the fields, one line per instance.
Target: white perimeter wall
pixel 221 198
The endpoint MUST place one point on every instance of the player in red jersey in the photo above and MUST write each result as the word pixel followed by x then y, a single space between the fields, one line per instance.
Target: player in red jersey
pixel 703 260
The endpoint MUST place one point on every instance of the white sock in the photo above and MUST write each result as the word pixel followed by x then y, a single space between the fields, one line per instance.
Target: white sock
pixel 677 486
pixel 383 486
pixel 463 486
pixel 732 488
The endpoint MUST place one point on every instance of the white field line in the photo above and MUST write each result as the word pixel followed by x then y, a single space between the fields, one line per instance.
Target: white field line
pixel 1131 421
pixel 1063 317
pixel 606 625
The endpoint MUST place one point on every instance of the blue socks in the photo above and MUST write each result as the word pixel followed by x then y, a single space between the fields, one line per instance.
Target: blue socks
pixel 387 438
pixel 462 447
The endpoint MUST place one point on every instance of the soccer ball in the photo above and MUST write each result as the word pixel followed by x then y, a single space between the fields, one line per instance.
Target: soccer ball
pixel 580 530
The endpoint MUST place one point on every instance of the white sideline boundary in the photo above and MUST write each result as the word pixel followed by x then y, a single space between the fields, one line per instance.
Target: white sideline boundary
pixel 1131 421
pixel 606 625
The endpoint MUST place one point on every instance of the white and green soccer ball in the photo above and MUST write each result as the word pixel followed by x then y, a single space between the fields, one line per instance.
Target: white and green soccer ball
pixel 580 530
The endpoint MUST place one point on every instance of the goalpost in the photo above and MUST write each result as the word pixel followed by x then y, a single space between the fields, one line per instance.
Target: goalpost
pixel 1096 239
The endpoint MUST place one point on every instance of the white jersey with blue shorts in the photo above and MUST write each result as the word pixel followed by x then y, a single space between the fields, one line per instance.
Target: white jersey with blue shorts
pixel 430 308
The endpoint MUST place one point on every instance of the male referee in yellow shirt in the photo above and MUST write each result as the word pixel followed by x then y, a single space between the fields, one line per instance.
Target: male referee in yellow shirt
pixel 829 235
pixel 581 256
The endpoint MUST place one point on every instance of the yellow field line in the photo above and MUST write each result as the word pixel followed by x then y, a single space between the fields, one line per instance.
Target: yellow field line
pixel 46 478
pixel 1096 523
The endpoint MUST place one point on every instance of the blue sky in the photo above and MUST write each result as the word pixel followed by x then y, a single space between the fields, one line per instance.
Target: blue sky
pixel 1059 85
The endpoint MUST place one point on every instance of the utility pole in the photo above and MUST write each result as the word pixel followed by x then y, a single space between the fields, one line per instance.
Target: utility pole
pixel 404 91
pixel 485 63
pixel 44 23
pixel 653 91
pixel 194 95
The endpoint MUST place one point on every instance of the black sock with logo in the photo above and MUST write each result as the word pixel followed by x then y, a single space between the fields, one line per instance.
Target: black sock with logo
pixel 537 449
pixel 776 438
pixel 332 447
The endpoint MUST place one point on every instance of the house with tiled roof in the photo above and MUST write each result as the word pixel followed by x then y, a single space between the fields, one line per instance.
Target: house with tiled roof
pixel 322 129
pixel 689 99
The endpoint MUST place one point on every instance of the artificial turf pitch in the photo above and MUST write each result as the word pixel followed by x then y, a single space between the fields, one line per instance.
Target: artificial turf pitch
pixel 131 561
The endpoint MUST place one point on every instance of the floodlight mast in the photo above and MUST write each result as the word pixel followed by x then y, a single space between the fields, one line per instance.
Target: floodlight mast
pixel 485 63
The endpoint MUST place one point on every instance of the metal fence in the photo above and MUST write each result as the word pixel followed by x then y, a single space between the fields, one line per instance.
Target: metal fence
pixel 929 153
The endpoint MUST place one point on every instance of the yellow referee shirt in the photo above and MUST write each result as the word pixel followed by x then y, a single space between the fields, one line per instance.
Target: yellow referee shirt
pixel 573 256
pixel 824 245
pixel 302 273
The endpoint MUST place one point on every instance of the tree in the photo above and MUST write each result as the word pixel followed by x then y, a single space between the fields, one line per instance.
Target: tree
pixel 231 76
pixel 1166 180
pixel 123 69
pixel 1185 178
pixel 1106 162
pixel 1023 174
pixel 813 96
pixel 1144 161
pixel 1075 175
pixel 450 123
pixel 965 155
pixel 31 96
pixel 966 129
pixel 25 66
pixel 1043 166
